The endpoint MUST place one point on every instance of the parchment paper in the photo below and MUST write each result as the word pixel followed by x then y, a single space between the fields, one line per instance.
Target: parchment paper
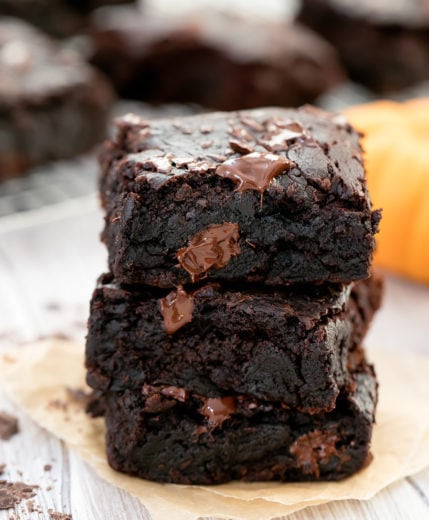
pixel 36 377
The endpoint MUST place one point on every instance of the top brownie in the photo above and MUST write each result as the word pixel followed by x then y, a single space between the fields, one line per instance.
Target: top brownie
pixel 269 195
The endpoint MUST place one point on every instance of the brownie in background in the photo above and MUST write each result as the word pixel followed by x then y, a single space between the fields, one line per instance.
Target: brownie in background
pixel 384 45
pixel 212 59
pixel 57 17
pixel 52 104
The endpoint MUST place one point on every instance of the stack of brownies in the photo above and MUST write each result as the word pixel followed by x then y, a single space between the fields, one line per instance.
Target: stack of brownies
pixel 225 342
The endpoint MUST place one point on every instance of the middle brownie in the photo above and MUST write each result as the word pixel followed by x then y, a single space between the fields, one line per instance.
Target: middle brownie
pixel 290 345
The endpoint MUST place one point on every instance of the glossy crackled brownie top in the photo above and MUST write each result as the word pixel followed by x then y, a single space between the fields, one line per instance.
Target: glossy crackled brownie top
pixel 315 155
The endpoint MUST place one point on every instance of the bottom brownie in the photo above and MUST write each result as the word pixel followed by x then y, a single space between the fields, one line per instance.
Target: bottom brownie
pixel 168 434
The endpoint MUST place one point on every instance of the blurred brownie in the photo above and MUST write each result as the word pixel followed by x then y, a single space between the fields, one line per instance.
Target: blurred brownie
pixel 52 105
pixel 291 345
pixel 57 17
pixel 212 59
pixel 169 434
pixel 384 45
pixel 269 195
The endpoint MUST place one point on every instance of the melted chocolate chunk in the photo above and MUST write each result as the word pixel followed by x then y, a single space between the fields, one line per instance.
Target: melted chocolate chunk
pixel 180 394
pixel 254 171
pixel 218 409
pixel 176 309
pixel 211 248
pixel 161 398
pixel 314 448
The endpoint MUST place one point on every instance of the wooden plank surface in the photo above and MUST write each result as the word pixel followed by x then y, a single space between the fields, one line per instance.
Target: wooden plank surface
pixel 49 261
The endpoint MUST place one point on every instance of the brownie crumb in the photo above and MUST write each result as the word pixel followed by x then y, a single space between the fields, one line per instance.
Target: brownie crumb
pixel 12 493
pixel 47 467
pixel 33 507
pixel 78 395
pixel 57 404
pixel 8 425
pixel 55 515
pixel 2 468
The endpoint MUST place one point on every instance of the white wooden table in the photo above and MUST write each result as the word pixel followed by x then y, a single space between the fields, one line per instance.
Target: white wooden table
pixel 49 261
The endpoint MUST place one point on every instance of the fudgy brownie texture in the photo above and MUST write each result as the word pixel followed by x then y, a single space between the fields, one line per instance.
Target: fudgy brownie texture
pixel 52 105
pixel 384 45
pixel 291 345
pixel 56 17
pixel 169 434
pixel 271 195
pixel 218 61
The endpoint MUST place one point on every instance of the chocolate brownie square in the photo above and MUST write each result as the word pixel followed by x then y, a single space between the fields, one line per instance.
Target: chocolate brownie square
pixel 270 195
pixel 291 345
pixel 384 45
pixel 222 62
pixel 170 434
pixel 52 105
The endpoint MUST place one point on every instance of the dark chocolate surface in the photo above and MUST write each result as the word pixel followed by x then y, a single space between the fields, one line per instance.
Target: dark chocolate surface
pixel 292 346
pixel 165 182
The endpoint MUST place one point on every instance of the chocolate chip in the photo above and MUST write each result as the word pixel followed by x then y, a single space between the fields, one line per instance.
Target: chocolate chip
pixel 176 309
